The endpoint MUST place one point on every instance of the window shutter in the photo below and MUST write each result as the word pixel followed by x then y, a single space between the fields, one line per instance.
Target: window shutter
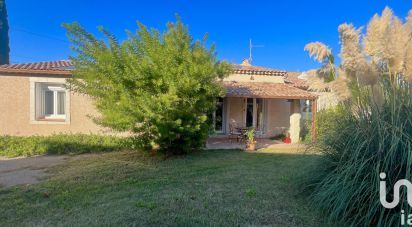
pixel 38 100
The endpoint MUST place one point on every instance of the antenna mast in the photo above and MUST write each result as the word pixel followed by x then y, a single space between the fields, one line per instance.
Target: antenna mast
pixel 251 46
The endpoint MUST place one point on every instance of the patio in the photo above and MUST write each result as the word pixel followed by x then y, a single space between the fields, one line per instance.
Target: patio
pixel 224 142
pixel 272 108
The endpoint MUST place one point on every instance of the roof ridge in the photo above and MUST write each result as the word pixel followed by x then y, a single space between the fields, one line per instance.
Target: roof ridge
pixel 257 70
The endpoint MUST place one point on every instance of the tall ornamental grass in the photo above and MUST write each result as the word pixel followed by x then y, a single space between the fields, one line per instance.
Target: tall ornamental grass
pixel 370 134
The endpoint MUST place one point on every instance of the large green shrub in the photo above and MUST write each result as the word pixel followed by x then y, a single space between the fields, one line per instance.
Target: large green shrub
pixel 324 121
pixel 161 86
pixel 370 135
pixel 13 146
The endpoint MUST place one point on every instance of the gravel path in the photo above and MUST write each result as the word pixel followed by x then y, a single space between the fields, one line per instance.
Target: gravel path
pixel 23 171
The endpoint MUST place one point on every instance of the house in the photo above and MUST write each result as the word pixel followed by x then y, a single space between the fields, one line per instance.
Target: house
pixel 34 101
pixel 265 99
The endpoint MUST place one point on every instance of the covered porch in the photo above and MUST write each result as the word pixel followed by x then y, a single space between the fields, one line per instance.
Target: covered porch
pixel 271 108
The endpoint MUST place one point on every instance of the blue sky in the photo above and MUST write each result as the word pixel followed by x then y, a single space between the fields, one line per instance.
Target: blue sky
pixel 283 27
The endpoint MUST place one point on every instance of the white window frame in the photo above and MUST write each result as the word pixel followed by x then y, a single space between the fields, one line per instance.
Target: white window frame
pixel 55 89
pixel 306 108
pixel 56 85
pixel 222 103
pixel 254 116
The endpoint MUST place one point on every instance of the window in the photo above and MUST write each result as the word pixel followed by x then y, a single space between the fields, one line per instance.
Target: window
pixel 218 116
pixel 249 112
pixel 50 101
pixel 306 106
pixel 255 113
pixel 259 114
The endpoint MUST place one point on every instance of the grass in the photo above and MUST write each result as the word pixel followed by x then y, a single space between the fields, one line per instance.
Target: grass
pixel 219 188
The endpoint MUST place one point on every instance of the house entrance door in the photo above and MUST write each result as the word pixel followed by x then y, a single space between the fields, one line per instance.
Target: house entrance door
pixel 255 113
pixel 249 112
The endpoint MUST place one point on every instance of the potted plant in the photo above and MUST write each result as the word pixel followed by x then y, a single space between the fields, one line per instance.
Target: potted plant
pixel 250 139
pixel 287 139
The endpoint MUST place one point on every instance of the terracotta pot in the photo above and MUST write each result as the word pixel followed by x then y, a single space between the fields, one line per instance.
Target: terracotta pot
pixel 251 146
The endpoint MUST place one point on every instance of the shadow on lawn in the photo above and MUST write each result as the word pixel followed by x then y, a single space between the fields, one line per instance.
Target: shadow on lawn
pixel 211 187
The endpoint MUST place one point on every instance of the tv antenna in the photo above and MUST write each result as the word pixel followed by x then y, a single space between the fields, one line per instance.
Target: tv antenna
pixel 251 46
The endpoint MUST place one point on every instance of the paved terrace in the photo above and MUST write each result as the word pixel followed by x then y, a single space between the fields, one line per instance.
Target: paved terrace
pixel 214 143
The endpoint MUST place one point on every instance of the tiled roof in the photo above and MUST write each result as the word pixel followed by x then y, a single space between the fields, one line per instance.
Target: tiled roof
pixel 265 90
pixel 257 70
pixel 293 79
pixel 51 67
pixel 63 67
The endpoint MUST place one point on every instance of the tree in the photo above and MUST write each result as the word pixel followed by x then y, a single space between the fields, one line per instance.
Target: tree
pixel 4 34
pixel 160 86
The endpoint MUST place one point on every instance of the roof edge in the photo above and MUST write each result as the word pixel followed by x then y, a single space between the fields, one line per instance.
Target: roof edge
pixel 35 72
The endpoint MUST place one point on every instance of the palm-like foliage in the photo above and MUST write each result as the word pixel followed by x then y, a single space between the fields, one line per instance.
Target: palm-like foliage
pixel 323 54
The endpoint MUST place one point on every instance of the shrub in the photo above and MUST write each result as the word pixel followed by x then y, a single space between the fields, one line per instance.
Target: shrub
pixel 250 135
pixel 361 140
pixel 12 146
pixel 278 137
pixel 325 120
pixel 159 85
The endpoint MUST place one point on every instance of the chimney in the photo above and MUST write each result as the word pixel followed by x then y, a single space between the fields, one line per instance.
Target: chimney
pixel 245 62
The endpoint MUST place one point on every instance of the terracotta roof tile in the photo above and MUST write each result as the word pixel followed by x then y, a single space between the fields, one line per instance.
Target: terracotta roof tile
pixel 265 90
pixel 257 70
pixel 293 79
pixel 62 67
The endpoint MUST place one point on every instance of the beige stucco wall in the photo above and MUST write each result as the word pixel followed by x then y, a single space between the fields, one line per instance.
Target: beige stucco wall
pixel 236 111
pixel 254 78
pixel 15 111
pixel 278 114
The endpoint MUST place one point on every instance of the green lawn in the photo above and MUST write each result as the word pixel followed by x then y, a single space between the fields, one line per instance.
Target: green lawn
pixel 125 188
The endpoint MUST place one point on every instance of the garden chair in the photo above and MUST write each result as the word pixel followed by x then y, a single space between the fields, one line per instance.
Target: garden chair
pixel 234 133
